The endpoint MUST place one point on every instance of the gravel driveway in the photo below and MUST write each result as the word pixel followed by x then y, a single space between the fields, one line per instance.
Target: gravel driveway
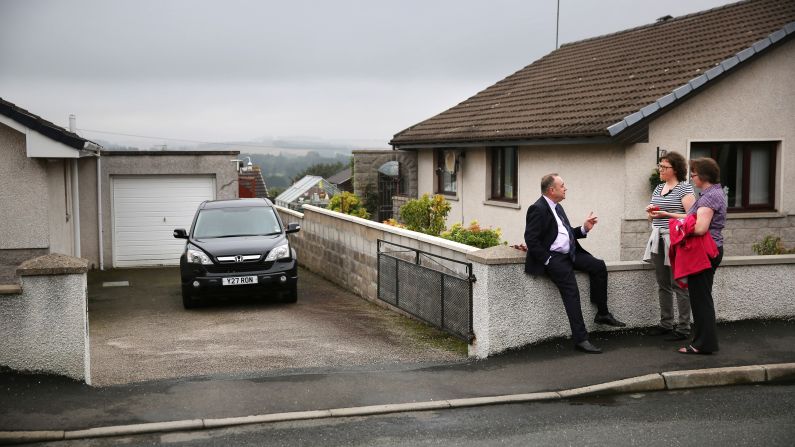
pixel 141 332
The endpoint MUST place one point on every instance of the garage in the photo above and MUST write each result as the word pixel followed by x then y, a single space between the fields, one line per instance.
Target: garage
pixel 147 209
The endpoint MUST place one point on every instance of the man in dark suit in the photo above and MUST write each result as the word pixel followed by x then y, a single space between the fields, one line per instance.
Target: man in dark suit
pixel 552 248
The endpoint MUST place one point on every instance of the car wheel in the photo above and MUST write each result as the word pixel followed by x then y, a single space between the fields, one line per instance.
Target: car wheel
pixel 188 302
pixel 291 296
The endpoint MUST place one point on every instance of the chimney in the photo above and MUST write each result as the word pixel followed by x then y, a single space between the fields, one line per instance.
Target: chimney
pixel 72 121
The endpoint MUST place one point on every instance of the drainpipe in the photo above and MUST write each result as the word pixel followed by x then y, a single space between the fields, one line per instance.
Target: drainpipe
pixel 75 197
pixel 91 146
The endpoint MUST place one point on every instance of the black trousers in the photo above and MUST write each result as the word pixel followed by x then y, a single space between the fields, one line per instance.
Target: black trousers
pixel 705 330
pixel 560 270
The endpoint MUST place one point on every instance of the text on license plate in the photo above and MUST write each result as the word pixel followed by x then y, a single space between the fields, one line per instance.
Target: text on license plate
pixel 239 280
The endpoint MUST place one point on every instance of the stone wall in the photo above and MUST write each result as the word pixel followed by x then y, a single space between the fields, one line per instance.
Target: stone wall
pixel 512 309
pixel 45 328
pixel 366 164
pixel 741 232
pixel 343 248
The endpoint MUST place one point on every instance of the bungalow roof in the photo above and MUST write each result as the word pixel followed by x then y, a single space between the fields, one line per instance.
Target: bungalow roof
pixel 42 126
pixel 600 87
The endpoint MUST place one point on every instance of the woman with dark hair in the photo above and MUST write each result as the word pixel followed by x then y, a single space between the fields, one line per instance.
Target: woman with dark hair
pixel 710 213
pixel 670 199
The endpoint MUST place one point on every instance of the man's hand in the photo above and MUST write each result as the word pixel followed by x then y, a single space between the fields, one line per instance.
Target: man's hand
pixel 590 221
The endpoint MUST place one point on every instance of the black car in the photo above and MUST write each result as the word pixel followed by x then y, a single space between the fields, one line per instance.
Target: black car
pixel 237 247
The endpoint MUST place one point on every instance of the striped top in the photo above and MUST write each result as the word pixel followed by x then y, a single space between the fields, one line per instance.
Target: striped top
pixel 670 201
pixel 713 197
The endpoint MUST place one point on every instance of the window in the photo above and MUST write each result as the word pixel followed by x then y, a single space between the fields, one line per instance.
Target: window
pixel 747 168
pixel 503 174
pixel 446 167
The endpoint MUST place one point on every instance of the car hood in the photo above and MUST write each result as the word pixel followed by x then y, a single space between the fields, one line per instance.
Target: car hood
pixel 244 245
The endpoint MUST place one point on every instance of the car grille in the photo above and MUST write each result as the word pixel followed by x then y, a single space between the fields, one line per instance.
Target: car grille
pixel 238 268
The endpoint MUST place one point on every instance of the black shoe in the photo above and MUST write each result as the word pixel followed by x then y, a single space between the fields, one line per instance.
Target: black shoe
pixel 677 336
pixel 608 319
pixel 587 347
pixel 658 330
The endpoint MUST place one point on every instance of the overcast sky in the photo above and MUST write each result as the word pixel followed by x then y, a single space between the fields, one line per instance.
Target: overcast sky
pixel 232 70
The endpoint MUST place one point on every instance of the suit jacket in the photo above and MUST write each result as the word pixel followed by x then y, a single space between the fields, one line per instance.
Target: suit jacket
pixel 540 231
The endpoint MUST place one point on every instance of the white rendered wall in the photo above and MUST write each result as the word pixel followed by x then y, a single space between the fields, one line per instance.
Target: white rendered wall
pixel 44 328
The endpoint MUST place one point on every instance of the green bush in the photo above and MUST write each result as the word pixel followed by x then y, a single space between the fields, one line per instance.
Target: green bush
pixel 348 203
pixel 771 245
pixel 654 179
pixel 474 235
pixel 426 215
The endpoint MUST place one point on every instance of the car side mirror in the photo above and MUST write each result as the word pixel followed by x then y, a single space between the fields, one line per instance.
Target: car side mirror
pixel 180 233
pixel 293 228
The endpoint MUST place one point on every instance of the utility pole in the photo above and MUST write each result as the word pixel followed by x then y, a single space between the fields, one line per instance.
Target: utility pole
pixel 557 25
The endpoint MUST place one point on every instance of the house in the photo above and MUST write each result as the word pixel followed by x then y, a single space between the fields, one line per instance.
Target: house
pixel 251 184
pixel 61 193
pixel 386 177
pixel 343 180
pixel 310 190
pixel 716 83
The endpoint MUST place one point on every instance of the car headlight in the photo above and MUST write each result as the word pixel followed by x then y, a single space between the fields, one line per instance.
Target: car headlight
pixel 196 256
pixel 280 252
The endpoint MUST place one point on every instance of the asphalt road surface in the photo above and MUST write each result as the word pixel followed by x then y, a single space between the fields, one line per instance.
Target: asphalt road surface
pixel 759 415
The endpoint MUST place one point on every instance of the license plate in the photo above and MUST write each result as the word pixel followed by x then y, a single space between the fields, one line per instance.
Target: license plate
pixel 239 280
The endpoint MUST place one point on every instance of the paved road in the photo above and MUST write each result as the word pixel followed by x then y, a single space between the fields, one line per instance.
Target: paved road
pixel 141 332
pixel 743 415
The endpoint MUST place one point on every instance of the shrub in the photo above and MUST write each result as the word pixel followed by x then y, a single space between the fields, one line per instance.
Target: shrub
pixel 394 223
pixel 426 215
pixel 771 245
pixel 348 203
pixel 654 179
pixel 474 235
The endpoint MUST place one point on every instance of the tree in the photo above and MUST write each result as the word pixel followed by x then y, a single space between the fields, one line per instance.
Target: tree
pixel 324 170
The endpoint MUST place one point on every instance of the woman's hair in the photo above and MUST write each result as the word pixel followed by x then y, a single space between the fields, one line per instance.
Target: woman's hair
pixel 706 168
pixel 678 163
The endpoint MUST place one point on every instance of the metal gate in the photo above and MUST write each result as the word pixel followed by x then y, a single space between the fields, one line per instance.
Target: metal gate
pixel 433 288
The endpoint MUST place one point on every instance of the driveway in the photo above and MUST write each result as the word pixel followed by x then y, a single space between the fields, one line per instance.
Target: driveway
pixel 141 332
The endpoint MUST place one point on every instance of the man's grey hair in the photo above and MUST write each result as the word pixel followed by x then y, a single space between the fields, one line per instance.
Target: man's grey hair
pixel 547 181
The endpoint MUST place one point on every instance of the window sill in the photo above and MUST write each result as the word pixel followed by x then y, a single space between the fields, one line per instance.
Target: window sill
pixel 502 204
pixel 448 198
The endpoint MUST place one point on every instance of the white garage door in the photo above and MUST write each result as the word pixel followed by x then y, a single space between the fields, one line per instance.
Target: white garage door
pixel 147 209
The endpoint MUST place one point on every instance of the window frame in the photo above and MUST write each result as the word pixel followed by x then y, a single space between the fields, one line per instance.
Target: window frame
pixel 497 160
pixel 440 173
pixel 714 148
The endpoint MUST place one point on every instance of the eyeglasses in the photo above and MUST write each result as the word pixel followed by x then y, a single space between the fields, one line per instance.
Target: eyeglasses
pixel 664 167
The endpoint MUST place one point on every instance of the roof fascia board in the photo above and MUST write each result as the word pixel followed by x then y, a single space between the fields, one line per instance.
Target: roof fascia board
pixel 549 142
pixel 38 145
pixel 698 83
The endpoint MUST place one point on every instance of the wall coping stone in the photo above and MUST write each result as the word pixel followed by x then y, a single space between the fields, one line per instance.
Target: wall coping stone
pixel 500 254
pixel 455 246
pixel 503 254
pixel 53 264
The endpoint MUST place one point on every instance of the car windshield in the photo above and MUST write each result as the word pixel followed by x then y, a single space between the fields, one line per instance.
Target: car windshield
pixel 238 221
